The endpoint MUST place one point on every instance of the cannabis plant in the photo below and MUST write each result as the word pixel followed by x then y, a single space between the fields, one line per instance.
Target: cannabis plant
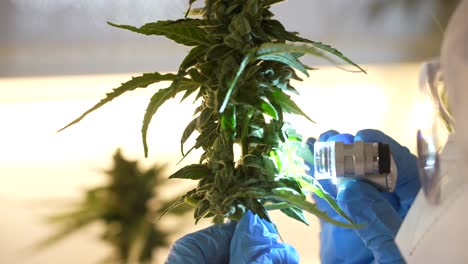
pixel 239 68
pixel 123 205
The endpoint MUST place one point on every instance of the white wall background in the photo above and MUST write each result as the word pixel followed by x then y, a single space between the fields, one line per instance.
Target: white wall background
pixel 49 37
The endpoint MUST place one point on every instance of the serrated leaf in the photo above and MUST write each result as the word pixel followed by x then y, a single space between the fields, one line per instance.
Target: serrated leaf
pixel 292 197
pixel 142 81
pixel 287 59
pixel 295 213
pixel 192 172
pixel 187 31
pixel 270 48
pixel 276 29
pixel 187 93
pixel 337 53
pixel 187 133
pixel 159 98
pixel 283 100
pixel 156 101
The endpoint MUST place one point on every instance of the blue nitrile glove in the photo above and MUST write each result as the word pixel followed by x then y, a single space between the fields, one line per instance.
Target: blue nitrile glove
pixel 252 240
pixel 380 213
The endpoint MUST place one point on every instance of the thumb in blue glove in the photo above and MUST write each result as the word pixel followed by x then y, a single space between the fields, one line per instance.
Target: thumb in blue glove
pixel 366 205
pixel 251 240
pixel 256 241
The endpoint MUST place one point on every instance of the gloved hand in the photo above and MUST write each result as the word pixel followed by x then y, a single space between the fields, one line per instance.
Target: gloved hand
pixel 380 213
pixel 251 240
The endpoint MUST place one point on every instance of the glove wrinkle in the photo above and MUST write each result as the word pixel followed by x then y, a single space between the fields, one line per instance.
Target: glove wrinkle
pixel 366 206
pixel 209 245
pixel 256 241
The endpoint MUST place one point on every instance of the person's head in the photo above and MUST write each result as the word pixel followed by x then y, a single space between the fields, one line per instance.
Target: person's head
pixel 436 113
pixel 454 66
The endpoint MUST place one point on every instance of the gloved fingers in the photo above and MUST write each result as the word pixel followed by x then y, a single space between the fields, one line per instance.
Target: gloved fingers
pixel 324 136
pixel 408 180
pixel 255 240
pixel 365 205
pixel 345 138
pixel 209 245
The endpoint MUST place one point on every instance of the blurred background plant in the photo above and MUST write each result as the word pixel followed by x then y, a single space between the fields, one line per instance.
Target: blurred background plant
pixel 128 206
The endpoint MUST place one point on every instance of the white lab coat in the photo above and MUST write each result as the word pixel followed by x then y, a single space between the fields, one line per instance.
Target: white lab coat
pixel 439 233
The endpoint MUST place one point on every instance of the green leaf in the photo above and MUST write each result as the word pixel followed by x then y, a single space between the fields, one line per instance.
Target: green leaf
pixel 156 101
pixel 286 58
pixel 305 153
pixel 241 69
pixel 266 108
pixel 276 158
pixel 188 92
pixel 159 98
pixel 292 197
pixel 270 48
pixel 201 210
pixel 192 57
pixel 271 2
pixel 142 81
pixel 257 208
pixel 337 53
pixel 206 137
pixel 192 172
pixel 167 207
pixel 187 133
pixel 187 32
pixel 252 161
pixel 276 29
pixel 309 184
pixel 295 213
pixel 228 121
pixel 278 97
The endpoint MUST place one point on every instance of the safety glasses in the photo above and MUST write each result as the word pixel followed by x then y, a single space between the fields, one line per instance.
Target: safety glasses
pixel 435 123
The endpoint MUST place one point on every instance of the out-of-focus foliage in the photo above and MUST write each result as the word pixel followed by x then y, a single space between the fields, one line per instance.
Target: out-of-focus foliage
pixel 129 208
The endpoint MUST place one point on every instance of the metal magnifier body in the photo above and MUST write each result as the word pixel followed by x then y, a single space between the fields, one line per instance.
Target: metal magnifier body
pixel 371 162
